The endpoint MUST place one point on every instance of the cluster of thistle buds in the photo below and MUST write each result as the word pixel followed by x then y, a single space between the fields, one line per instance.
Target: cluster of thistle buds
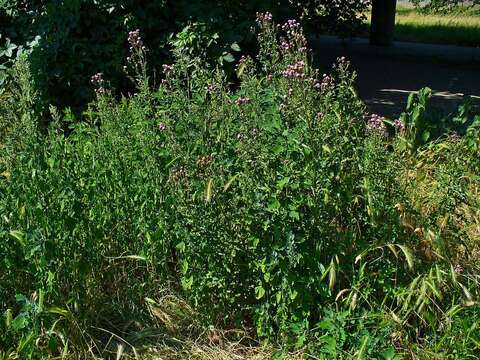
pixel 99 84
pixel 295 39
pixel 399 125
pixel 376 122
pixel 264 18
pixel 137 49
pixel 295 71
pixel 135 40
pixel 291 27
pixel 327 82
pixel 167 68
pixel 243 101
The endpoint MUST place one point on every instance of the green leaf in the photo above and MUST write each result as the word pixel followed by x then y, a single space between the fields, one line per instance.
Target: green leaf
pixel 19 236
pixel 294 215
pixel 259 292
pixel 241 69
pixel 187 282
pixel 20 322
pixel 235 47
pixel 282 183
pixel 389 354
pixel 274 205
pixel 8 318
pixel 181 246
pixel 426 135
pixel 229 58
pixel 332 275
pixel 363 347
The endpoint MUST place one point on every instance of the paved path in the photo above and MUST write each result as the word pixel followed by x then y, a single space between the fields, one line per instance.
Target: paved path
pixel 386 76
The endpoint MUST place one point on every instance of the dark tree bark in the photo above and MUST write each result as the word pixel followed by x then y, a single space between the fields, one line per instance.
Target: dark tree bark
pixel 383 22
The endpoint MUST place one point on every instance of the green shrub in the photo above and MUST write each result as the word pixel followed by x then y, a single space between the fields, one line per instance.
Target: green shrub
pixel 266 203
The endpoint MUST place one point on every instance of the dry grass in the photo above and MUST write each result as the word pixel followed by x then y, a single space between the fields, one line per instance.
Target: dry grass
pixel 457 228
pixel 185 337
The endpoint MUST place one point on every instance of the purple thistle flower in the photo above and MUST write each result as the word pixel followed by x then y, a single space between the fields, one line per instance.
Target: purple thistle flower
pixel 376 122
pixel 264 18
pixel 295 71
pixel 399 125
pixel 98 83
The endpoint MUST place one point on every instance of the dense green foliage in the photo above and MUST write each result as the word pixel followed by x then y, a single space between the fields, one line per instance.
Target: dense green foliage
pixel 270 204
pixel 72 40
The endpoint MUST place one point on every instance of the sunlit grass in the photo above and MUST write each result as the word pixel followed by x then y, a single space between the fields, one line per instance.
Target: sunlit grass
pixel 459 28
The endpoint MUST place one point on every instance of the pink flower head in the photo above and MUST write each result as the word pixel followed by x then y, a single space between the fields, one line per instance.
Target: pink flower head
pixel 399 125
pixel 295 71
pixel 264 18
pixel 376 122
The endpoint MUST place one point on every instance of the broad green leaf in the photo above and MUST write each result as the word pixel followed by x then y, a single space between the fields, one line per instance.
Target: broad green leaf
pixel 229 58
pixel 259 292
pixel 235 47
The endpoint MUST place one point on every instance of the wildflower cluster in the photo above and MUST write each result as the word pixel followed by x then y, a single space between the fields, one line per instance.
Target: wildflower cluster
pixel 295 39
pixel 292 27
pixel 137 58
pixel 327 82
pixel 399 125
pixel 295 71
pixel 135 40
pixel 136 46
pixel 99 84
pixel 167 68
pixel 376 122
pixel 264 18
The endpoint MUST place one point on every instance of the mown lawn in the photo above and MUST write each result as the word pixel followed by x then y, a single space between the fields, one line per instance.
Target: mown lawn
pixel 459 28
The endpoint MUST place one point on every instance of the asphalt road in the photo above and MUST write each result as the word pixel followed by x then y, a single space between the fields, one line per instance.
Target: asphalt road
pixel 386 76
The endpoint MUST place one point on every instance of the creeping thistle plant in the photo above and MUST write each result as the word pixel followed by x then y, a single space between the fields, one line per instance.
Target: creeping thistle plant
pixel 137 60
pixel 265 203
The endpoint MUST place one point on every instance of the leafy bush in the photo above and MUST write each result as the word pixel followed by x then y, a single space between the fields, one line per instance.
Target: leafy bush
pixel 72 40
pixel 267 203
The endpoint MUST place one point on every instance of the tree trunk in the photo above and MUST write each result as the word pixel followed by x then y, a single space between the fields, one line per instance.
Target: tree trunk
pixel 383 22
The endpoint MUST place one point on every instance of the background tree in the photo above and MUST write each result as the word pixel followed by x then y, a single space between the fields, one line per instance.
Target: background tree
pixel 443 5
pixel 383 22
